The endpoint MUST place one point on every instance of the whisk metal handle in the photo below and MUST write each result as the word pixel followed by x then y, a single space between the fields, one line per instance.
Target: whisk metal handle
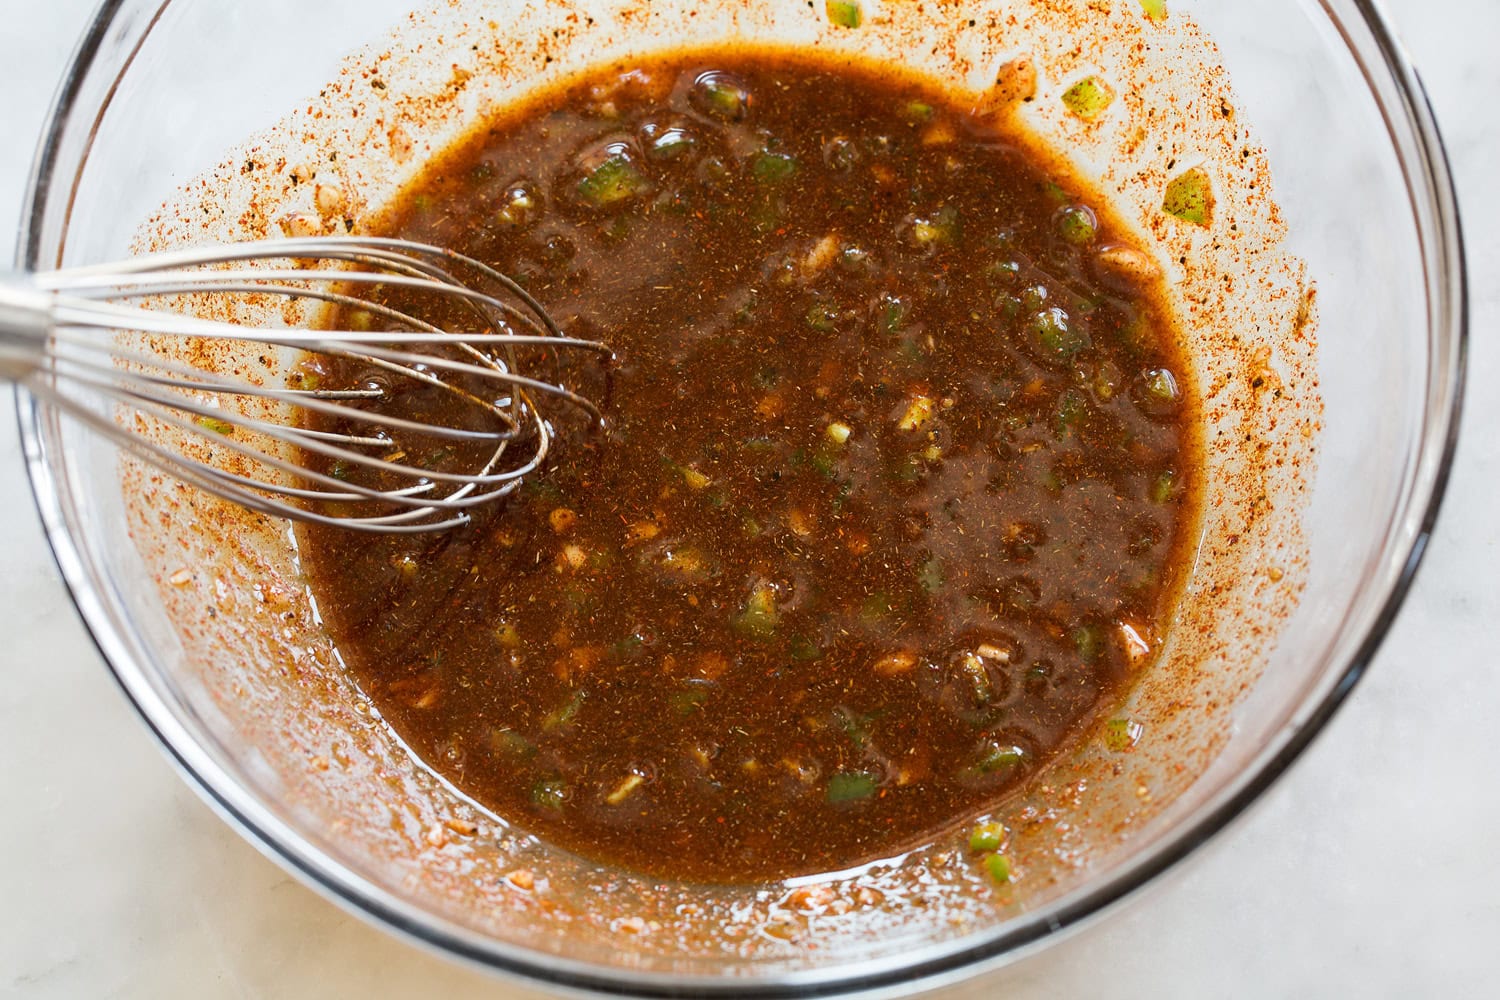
pixel 26 321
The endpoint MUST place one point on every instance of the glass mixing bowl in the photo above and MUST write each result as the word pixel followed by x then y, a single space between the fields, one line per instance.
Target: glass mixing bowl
pixel 160 89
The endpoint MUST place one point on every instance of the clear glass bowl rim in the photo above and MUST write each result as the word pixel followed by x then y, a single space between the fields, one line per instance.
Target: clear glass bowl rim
pixel 1430 186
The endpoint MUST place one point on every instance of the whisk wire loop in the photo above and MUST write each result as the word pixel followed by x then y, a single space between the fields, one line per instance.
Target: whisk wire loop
pixel 132 335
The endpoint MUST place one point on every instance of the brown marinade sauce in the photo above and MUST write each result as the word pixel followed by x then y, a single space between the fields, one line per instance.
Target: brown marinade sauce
pixel 895 494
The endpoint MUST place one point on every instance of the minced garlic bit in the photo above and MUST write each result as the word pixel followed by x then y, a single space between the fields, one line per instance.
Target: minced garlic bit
pixel 711 665
pixel 1136 646
pixel 329 199
pixel 839 432
pixel 918 413
pixel 686 560
pixel 820 256
pixel 811 897
pixel 1015 81
pixel 507 635
pixel 1128 263
pixel 895 663
pixel 938 134
pixel 562 519
pixel 301 224
pixel 643 531
pixel 624 789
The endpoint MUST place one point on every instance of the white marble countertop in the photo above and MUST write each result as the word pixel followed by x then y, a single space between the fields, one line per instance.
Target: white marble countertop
pixel 1348 879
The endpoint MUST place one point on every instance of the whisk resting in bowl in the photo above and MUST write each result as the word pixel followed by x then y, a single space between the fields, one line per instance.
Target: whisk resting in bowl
pixel 84 336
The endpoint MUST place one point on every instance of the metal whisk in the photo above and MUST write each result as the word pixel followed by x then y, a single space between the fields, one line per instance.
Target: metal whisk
pixel 73 337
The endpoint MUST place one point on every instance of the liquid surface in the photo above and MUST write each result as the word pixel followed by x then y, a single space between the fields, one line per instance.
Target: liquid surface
pixel 892 503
